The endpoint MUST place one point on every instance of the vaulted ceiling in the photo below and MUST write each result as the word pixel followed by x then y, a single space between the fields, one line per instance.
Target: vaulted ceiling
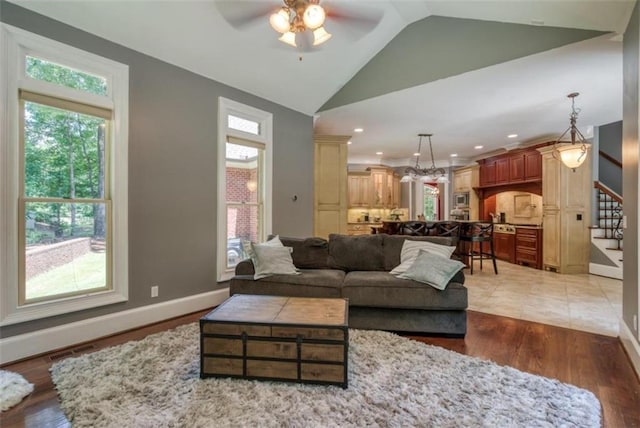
pixel 470 72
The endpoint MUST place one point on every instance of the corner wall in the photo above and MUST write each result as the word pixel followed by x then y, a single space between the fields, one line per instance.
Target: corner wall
pixel 630 156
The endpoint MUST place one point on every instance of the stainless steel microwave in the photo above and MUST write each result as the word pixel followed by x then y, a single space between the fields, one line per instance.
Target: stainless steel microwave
pixel 461 199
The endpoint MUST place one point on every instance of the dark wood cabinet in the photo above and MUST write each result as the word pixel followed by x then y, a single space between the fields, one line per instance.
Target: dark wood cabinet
pixel 504 246
pixel 502 170
pixel 524 166
pixel 533 165
pixel 487 173
pixel 529 247
pixel 516 168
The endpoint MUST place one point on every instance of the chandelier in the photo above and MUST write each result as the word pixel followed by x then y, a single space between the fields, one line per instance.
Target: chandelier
pixel 413 173
pixel 572 154
pixel 298 16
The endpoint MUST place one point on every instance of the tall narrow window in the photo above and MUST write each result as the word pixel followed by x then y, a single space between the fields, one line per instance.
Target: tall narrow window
pixel 245 197
pixel 63 168
pixel 244 181
pixel 64 204
pixel 431 193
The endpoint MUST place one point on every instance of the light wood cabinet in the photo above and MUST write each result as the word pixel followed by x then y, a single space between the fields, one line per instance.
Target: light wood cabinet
pixel 566 202
pixel 330 185
pixel 379 187
pixel 464 180
pixel 359 189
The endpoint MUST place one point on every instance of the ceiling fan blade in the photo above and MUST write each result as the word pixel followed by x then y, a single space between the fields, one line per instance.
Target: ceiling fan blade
pixel 356 20
pixel 242 14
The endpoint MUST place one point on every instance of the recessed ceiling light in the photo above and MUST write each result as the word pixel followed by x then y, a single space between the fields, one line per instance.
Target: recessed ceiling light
pixel 478 147
pixel 512 136
pixel 378 153
pixel 349 142
pixel 358 130
pixel 454 155
pixel 416 154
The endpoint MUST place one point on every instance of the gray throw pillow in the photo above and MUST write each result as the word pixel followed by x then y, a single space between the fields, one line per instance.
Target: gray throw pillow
pixel 432 269
pixel 271 260
pixel 247 246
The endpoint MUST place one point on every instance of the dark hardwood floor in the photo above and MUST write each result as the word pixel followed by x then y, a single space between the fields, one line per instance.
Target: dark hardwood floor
pixel 590 361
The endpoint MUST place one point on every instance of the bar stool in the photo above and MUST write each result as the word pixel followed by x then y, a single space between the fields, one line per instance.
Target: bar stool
pixel 481 233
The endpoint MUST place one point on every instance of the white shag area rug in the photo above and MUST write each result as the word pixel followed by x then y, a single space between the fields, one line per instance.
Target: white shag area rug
pixel 393 382
pixel 13 388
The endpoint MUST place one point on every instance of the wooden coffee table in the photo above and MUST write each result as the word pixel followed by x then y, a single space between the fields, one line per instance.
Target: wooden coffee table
pixel 293 339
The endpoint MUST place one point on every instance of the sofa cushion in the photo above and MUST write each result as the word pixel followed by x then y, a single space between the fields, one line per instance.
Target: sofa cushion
pixel 383 290
pixel 308 283
pixel 393 246
pixel 308 253
pixel 357 253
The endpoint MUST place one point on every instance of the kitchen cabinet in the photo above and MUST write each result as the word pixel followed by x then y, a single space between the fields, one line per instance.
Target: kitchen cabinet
pixel 379 187
pixel 330 185
pixel 393 190
pixel 487 172
pixel 502 170
pixel 465 180
pixel 528 249
pixel 361 228
pixel 532 165
pixel 462 180
pixel 516 168
pixel 359 189
pixel 504 246
pixel 523 166
pixel 566 215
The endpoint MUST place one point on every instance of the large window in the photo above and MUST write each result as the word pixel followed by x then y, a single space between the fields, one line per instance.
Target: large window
pixel 63 165
pixel 244 181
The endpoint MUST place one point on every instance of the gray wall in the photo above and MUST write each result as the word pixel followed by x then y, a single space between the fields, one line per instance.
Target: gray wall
pixel 610 142
pixel 172 171
pixel 630 147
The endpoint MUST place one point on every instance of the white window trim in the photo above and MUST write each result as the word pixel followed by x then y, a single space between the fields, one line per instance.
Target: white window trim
pixel 15 42
pixel 226 107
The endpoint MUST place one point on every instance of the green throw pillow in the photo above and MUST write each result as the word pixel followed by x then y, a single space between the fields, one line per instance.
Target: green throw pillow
pixel 431 269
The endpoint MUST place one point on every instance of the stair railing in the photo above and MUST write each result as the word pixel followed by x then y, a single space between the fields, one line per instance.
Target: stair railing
pixel 609 211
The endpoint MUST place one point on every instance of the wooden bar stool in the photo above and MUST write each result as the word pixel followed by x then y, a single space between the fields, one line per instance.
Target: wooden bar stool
pixel 482 234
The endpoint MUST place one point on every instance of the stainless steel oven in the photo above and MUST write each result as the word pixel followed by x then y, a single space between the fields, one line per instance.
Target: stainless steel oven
pixel 461 200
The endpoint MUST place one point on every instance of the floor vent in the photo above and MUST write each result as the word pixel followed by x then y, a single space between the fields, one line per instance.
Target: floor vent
pixel 60 355
pixel 84 349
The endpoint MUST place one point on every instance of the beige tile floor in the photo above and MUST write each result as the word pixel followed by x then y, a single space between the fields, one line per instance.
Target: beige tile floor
pixel 581 302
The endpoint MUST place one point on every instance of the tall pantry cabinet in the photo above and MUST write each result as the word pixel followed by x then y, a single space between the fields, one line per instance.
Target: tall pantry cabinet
pixel 566 214
pixel 330 185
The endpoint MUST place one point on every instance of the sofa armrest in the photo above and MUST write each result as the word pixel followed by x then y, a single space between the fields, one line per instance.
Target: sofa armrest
pixel 245 267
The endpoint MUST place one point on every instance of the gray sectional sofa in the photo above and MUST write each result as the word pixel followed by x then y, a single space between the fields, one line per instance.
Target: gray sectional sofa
pixel 357 267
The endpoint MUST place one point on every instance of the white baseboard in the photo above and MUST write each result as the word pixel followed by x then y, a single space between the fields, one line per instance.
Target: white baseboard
pixel 631 345
pixel 37 342
pixel 608 271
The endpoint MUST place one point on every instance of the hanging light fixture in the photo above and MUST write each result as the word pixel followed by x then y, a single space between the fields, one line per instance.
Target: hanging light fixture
pixel 572 153
pixel 298 16
pixel 431 174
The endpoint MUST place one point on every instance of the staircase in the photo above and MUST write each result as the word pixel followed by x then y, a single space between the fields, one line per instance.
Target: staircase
pixel 606 237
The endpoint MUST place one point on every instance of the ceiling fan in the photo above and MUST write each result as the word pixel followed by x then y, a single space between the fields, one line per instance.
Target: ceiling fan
pixel 301 23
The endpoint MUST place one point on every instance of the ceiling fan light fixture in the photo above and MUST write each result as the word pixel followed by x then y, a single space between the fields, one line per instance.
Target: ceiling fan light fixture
pixel 288 38
pixel 314 16
pixel 280 20
pixel 320 36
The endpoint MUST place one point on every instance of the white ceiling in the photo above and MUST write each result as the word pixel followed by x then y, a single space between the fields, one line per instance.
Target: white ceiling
pixel 525 96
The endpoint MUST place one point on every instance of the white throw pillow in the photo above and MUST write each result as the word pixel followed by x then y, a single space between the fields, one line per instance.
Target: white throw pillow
pixel 272 260
pixel 410 250
pixel 247 246
pixel 432 269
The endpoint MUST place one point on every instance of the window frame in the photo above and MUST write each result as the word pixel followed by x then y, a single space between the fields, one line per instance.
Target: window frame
pixel 15 45
pixel 228 107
